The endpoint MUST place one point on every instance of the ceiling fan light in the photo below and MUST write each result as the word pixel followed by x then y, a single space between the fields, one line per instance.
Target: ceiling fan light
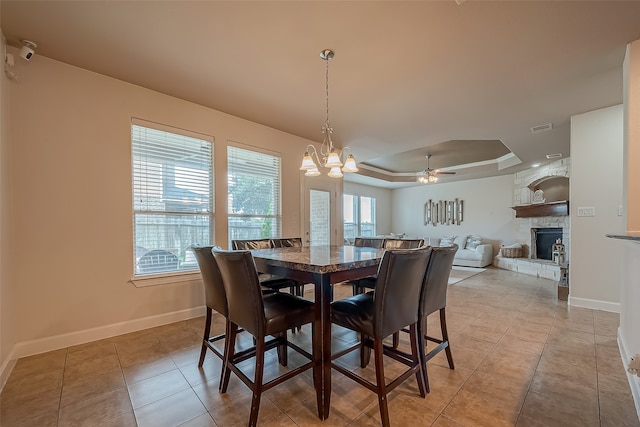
pixel 350 164
pixel 312 172
pixel 335 172
pixel 308 163
pixel 333 160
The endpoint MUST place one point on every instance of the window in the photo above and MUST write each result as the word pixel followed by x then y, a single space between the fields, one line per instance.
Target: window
pixel 172 197
pixel 359 216
pixel 254 194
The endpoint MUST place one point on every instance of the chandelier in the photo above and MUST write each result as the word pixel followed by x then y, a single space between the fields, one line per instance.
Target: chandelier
pixel 331 156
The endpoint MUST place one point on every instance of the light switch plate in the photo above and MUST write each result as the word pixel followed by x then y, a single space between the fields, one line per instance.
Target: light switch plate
pixel 620 211
pixel 586 211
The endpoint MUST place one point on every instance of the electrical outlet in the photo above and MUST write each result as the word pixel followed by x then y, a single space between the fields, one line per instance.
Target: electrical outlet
pixel 586 211
pixel 620 211
pixel 634 365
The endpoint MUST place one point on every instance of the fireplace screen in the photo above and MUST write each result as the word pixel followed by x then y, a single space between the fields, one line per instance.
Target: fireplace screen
pixel 542 240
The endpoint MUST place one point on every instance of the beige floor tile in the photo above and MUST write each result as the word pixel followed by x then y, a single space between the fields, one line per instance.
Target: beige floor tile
pixel 95 410
pixel 204 420
pixel 404 410
pixel 170 411
pixel 91 368
pixel 611 366
pixel 617 412
pixel 27 408
pixel 443 421
pixel 86 389
pixel 128 419
pixel 472 409
pixel 40 363
pixel 86 352
pixel 150 353
pixel 47 419
pixel 33 384
pixel 554 408
pixel 142 371
pixel 156 388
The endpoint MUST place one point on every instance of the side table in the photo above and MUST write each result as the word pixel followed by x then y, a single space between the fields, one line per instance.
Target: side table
pixel 563 283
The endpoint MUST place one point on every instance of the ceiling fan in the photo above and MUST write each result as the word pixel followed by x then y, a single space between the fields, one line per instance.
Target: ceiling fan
pixel 429 175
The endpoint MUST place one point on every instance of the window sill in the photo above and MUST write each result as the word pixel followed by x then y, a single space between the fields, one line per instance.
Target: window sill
pixel 165 279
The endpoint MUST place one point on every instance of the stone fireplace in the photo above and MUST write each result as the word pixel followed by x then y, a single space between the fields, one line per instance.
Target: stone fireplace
pixel 529 226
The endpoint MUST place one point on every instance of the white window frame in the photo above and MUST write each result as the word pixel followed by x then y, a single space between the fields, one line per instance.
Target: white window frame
pixel 276 215
pixel 160 207
pixel 357 209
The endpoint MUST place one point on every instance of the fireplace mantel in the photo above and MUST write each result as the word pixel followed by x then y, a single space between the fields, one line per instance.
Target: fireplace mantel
pixel 559 208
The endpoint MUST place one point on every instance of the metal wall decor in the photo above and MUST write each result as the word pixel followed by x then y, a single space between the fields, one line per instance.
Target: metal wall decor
pixel 444 212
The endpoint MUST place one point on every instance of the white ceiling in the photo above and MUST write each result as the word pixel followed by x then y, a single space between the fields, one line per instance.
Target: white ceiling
pixel 406 75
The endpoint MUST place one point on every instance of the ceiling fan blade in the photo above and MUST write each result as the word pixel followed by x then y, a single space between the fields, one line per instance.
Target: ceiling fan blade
pixel 444 173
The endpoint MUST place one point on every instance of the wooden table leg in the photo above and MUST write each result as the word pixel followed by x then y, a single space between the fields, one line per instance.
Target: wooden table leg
pixel 322 344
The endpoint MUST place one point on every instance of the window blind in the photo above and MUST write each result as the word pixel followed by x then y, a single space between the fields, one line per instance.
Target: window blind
pixel 172 198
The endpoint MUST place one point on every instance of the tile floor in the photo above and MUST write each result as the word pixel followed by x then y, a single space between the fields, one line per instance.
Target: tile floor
pixel 522 358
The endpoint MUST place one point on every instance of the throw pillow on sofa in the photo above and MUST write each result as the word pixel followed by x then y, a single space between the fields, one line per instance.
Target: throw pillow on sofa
pixel 473 242
pixel 461 241
pixel 447 241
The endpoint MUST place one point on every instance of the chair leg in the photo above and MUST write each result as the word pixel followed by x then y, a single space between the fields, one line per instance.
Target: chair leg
pixel 365 352
pixel 382 391
pixel 230 350
pixel 417 360
pixel 282 350
pixel 396 340
pixel 207 331
pixel 257 383
pixel 422 345
pixel 225 353
pixel 445 337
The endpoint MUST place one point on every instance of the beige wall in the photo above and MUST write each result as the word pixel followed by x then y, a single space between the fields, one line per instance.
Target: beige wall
pixel 596 181
pixel 7 320
pixel 72 252
pixel 487 209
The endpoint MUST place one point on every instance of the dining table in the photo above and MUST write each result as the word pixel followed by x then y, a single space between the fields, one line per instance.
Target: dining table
pixel 321 266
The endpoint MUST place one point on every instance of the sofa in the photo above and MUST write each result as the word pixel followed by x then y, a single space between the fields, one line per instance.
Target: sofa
pixel 471 251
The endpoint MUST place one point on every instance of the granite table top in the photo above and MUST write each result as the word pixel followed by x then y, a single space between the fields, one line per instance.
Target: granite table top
pixel 320 259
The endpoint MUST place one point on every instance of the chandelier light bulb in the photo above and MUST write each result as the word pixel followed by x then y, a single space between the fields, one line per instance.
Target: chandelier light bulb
pixel 312 172
pixel 350 164
pixel 335 172
pixel 308 163
pixel 333 160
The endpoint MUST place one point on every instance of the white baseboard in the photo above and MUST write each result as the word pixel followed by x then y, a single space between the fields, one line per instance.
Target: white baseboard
pixel 41 345
pixel 613 307
pixel 634 381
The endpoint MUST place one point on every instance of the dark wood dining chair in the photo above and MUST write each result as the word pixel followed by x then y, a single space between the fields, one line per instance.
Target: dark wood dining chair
pixel 403 243
pixel 261 316
pixel 393 306
pixel 290 242
pixel 215 300
pixel 434 298
pixel 364 242
pixel 270 281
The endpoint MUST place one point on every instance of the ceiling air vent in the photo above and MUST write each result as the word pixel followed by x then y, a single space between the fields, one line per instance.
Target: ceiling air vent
pixel 554 156
pixel 542 128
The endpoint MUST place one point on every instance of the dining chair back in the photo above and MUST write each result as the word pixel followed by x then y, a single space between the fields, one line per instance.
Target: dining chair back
pixel 375 315
pixel 403 243
pixel 262 316
pixel 434 298
pixel 369 242
pixel 290 242
pixel 247 245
